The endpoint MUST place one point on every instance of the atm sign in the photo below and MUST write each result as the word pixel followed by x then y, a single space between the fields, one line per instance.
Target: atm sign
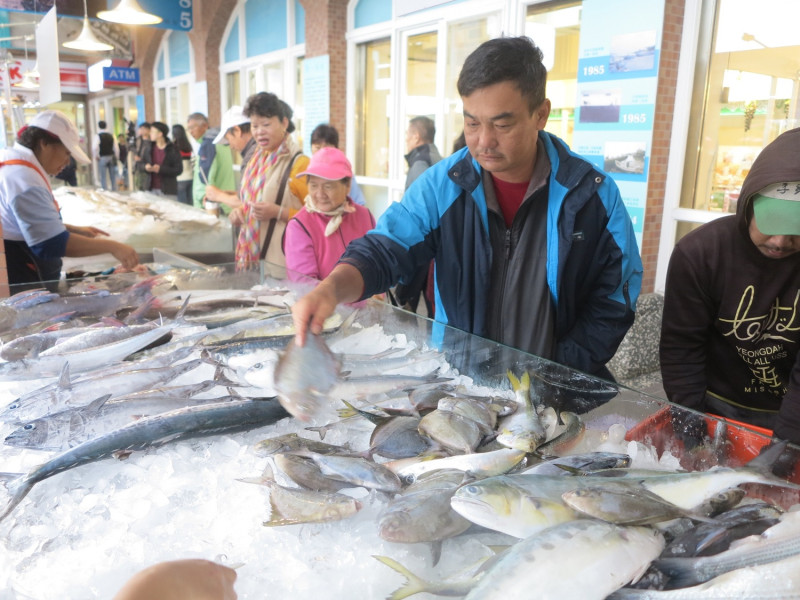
pixel 120 76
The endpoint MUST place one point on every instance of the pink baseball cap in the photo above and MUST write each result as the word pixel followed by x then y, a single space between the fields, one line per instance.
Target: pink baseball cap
pixel 60 126
pixel 328 163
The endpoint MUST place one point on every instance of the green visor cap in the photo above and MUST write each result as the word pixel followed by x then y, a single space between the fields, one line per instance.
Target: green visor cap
pixel 777 209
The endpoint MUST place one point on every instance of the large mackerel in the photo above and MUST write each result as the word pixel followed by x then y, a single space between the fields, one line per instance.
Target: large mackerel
pixel 190 422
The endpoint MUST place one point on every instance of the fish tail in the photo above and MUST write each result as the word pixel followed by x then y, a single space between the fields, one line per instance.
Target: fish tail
pixel 513 379
pixel 682 572
pixel 413 584
pixel 775 458
pixel 18 489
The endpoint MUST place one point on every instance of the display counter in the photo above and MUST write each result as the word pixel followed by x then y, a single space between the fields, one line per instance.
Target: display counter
pixel 83 532
pixel 144 221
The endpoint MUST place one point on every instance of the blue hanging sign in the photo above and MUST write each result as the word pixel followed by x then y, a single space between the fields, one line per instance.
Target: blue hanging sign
pixel 120 77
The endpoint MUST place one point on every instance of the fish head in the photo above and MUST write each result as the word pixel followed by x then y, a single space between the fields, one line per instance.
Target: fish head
pixel 394 525
pixel 261 375
pixel 483 500
pixel 30 435
pixel 8 317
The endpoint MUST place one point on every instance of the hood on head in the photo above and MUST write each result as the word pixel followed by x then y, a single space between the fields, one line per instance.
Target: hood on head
pixel 779 161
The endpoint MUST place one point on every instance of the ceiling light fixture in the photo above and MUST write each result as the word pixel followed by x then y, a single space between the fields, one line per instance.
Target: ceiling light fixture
pixel 87 41
pixel 30 80
pixel 128 12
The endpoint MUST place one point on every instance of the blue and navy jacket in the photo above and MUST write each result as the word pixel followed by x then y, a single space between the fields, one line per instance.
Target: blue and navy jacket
pixel 594 271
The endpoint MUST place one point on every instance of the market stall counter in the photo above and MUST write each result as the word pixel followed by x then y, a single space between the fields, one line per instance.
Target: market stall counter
pixel 429 454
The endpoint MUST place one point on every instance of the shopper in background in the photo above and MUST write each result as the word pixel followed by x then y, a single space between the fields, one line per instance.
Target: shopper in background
pixel 34 235
pixel 141 149
pixel 185 179
pixel 123 161
pixel 422 153
pixel 731 328
pixel 326 136
pixel 271 192
pixel 187 579
pixel 106 152
pixel 69 174
pixel 164 163
pixel 534 247
pixel 235 132
pixel 214 163
pixel 318 235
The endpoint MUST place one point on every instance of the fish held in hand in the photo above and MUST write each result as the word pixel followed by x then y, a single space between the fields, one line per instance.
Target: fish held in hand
pixel 304 375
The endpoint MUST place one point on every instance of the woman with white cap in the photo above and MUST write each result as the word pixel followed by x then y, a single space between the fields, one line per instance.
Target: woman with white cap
pixel 318 235
pixel 34 235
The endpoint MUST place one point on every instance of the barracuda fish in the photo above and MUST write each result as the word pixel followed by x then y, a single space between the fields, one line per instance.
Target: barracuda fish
pixel 71 427
pixel 75 394
pixel 502 507
pixel 422 513
pixel 481 464
pixel 292 506
pixel 523 430
pixel 31 345
pixel 303 377
pixel 779 580
pixel 544 565
pixel 191 422
pixel 776 543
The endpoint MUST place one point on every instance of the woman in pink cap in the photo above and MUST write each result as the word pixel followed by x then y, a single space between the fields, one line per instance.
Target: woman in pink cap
pixel 317 236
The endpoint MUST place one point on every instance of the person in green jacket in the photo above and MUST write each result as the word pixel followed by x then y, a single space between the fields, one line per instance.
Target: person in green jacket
pixel 214 163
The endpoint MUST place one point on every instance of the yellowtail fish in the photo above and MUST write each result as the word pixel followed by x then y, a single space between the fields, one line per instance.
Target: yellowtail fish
pixel 522 430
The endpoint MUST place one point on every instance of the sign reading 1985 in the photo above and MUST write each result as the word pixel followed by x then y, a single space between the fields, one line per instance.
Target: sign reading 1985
pixel 176 14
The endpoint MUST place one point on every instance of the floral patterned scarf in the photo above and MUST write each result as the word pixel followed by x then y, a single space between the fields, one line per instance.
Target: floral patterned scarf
pixel 247 245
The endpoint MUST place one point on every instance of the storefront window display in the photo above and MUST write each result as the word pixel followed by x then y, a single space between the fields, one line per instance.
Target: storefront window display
pixel 752 85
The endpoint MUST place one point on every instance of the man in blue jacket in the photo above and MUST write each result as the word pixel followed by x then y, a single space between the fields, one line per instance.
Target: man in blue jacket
pixel 533 246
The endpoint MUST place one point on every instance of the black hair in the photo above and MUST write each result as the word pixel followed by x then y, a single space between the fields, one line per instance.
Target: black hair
pixel 425 127
pixel 31 136
pixel 145 124
pixel 325 134
pixel 101 124
pixel 162 127
pixel 181 139
pixel 515 59
pixel 268 105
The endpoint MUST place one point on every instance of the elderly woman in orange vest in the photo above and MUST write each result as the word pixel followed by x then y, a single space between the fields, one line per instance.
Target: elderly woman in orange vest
pixel 34 236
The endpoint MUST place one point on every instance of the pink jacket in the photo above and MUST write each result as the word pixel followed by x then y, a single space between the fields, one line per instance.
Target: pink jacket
pixel 309 253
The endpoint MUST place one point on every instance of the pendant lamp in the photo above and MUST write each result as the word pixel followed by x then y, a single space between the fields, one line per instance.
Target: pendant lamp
pixel 87 41
pixel 30 80
pixel 128 12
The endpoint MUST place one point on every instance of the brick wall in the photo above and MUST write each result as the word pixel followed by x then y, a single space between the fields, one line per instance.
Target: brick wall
pixel 326 26
pixel 659 153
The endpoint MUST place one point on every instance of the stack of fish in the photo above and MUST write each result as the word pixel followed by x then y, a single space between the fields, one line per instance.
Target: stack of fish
pixel 418 456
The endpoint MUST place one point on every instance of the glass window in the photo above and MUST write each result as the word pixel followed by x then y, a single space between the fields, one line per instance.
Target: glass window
pixel 420 83
pixel 232 43
pixel 372 108
pixel 179 53
pixel 751 96
pixel 265 26
pixel 233 95
pixel 556 30
pixel 299 23
pixel 463 38
pixel 370 12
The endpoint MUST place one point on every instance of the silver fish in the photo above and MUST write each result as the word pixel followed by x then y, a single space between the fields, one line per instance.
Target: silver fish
pixel 74 394
pixel 358 471
pixel 305 473
pixel 191 422
pixel 607 557
pixel 590 461
pixel 291 442
pixel 481 464
pixel 522 430
pixel 451 430
pixel 292 506
pixel 776 543
pixel 303 377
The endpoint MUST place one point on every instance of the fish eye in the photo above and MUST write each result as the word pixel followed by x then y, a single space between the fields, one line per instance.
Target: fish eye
pixel 258 366
pixel 13 406
pixel 29 427
pixel 472 489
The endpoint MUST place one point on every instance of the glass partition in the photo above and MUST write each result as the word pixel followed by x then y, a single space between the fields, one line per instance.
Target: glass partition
pixel 192 496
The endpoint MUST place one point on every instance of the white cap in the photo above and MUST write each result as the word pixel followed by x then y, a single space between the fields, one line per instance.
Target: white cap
pixel 60 126
pixel 232 117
